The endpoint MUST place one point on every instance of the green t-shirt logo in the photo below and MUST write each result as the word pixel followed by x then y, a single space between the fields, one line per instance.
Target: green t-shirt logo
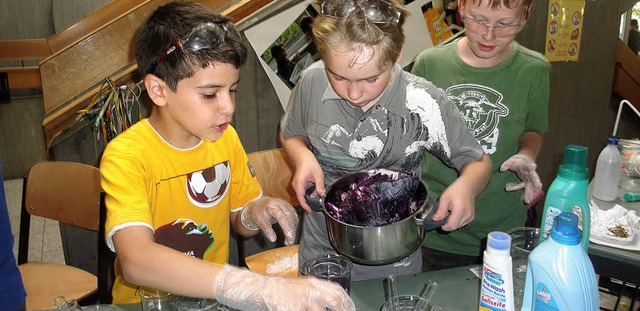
pixel 482 109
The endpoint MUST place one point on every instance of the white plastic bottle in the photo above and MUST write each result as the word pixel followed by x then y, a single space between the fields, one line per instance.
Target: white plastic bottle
pixel 608 169
pixel 496 289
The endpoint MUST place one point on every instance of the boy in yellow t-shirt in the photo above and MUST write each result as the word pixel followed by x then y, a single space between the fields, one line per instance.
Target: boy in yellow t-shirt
pixel 178 181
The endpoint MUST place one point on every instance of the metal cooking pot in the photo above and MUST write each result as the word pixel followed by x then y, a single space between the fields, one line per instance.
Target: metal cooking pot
pixel 377 245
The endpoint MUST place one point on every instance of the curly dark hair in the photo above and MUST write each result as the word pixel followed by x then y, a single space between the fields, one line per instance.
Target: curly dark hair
pixel 170 22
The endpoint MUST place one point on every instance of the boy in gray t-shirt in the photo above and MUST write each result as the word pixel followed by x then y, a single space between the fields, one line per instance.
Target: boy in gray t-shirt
pixel 358 110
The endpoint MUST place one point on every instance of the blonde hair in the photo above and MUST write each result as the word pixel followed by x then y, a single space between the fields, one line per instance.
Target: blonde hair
pixel 509 4
pixel 356 33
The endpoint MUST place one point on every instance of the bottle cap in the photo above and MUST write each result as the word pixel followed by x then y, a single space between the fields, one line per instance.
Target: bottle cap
pixel 631 197
pixel 565 230
pixel 575 154
pixel 498 243
pixel 612 140
pixel 574 164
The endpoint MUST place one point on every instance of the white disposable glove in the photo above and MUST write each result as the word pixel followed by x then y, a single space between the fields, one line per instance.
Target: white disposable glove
pixel 525 168
pixel 245 290
pixel 265 211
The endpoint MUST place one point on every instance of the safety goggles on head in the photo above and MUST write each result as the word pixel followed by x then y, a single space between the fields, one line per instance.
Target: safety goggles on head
pixel 375 11
pixel 207 35
pixel 482 27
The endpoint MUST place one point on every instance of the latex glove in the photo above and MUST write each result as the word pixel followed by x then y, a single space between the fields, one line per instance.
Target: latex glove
pixel 265 211
pixel 525 168
pixel 246 290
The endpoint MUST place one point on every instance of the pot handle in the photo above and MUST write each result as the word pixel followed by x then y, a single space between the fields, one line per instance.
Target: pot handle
pixel 315 203
pixel 425 217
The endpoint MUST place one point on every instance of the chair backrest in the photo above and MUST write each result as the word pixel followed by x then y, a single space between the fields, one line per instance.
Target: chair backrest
pixel 67 192
pixel 274 172
pixel 70 193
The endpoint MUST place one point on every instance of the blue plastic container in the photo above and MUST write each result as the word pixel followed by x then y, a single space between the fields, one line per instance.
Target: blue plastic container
pixel 560 275
pixel 568 193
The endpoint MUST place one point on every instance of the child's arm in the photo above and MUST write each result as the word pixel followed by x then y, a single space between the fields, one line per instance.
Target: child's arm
pixel 149 264
pixel 459 198
pixel 307 168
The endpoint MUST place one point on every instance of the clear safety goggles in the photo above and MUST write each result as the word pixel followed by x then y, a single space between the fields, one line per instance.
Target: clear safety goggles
pixel 482 27
pixel 207 35
pixel 375 11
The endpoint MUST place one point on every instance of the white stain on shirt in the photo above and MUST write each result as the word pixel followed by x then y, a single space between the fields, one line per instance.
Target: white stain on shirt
pixel 334 132
pixel 360 148
pixel 419 101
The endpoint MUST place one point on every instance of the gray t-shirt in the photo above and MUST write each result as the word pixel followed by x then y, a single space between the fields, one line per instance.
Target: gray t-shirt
pixel 412 117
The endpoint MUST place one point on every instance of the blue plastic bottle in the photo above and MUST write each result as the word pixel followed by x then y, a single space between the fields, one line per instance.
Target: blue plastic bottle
pixel 568 193
pixel 560 275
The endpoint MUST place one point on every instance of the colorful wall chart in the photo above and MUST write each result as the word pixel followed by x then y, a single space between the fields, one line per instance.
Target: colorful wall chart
pixel 564 30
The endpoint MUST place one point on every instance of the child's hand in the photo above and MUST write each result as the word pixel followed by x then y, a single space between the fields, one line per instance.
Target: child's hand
pixel 246 290
pixel 263 212
pixel 525 168
pixel 308 172
pixel 459 201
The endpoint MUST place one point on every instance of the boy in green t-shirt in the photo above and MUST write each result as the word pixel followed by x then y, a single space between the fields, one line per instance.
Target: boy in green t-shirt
pixel 502 90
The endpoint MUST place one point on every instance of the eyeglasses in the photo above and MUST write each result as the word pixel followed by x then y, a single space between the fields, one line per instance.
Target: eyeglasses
pixel 375 11
pixel 482 27
pixel 207 35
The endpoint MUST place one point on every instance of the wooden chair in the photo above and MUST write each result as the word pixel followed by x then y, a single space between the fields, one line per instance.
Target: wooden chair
pixel 69 193
pixel 274 171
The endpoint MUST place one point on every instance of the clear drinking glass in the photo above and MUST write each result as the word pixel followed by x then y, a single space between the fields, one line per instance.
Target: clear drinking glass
pixel 330 267
pixel 155 300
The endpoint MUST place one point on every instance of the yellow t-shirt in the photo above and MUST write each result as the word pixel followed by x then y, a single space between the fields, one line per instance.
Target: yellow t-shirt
pixel 184 195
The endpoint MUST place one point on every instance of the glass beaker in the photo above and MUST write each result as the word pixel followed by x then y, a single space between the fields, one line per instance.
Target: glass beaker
pixel 155 300
pixel 523 241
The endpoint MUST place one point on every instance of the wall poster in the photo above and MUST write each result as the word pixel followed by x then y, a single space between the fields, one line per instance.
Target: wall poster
pixel 564 30
pixel 285 31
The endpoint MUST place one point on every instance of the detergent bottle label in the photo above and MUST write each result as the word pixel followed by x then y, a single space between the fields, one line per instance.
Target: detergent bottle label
pixel 545 300
pixel 552 212
pixel 493 295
